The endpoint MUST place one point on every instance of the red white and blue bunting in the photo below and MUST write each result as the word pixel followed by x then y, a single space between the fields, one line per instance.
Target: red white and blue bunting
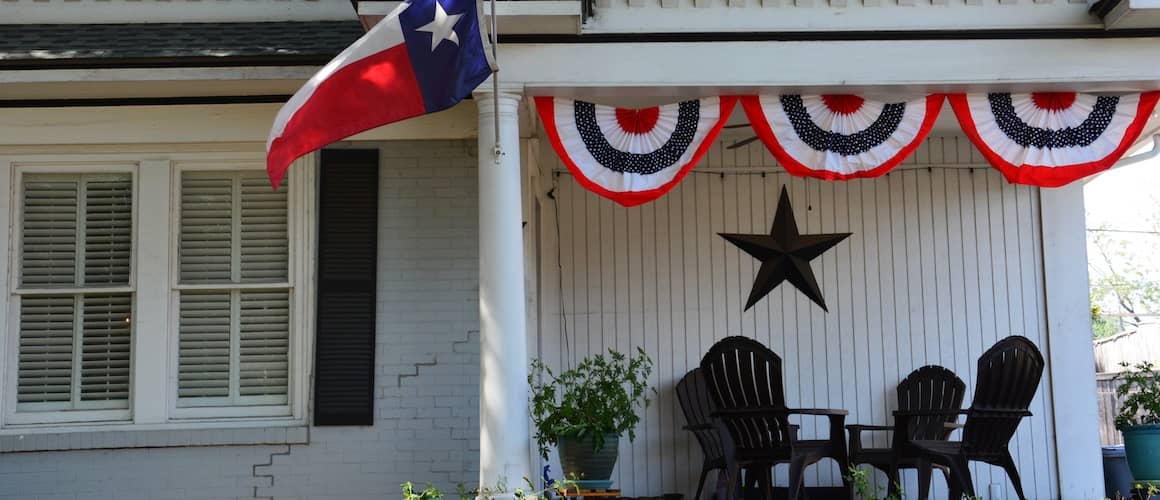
pixel 632 156
pixel 840 137
pixel 1051 139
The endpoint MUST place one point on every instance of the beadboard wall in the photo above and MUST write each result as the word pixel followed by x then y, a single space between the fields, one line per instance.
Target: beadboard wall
pixel 945 259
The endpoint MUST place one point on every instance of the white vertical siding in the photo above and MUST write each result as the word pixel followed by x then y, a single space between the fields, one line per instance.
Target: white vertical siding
pixel 943 262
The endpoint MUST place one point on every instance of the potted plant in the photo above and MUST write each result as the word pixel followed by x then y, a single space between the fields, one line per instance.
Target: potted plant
pixel 1139 420
pixel 584 410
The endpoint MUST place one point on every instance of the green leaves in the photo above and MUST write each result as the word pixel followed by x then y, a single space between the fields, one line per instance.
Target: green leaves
pixel 1142 388
pixel 597 397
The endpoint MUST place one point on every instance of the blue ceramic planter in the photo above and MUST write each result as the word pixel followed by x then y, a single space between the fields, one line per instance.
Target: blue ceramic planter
pixel 1142 445
pixel 578 456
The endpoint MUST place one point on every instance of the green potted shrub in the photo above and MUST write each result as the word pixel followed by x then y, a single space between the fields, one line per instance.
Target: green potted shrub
pixel 1139 420
pixel 583 411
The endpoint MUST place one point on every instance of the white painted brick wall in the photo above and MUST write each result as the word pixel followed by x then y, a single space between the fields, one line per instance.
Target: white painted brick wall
pixel 427 413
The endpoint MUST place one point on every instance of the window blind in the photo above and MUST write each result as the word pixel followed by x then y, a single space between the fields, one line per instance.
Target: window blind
pixel 74 347
pixel 234 340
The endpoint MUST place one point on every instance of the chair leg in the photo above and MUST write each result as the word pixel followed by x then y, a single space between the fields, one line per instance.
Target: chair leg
pixel 734 477
pixel 796 478
pixel 701 484
pixel 962 475
pixel 1008 464
pixel 925 471
pixel 894 488
pixel 767 480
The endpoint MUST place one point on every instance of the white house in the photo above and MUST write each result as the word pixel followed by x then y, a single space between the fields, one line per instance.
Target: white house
pixel 171 328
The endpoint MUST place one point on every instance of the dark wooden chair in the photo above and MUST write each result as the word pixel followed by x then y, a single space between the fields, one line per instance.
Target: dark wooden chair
pixel 927 388
pixel 744 379
pixel 696 404
pixel 1008 376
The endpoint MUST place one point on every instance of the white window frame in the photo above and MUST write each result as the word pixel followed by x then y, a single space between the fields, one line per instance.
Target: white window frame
pixel 153 380
pixel 293 230
pixel 13 414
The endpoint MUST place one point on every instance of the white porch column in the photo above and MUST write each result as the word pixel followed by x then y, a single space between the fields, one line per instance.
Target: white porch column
pixel 1069 343
pixel 504 439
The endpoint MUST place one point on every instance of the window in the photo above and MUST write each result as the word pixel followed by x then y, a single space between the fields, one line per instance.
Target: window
pixel 234 320
pixel 75 293
pixel 171 292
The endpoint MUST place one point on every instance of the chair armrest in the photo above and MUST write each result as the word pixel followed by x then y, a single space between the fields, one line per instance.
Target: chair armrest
pixel 855 431
pixel 928 413
pixel 818 411
pixel 767 411
pixel 860 428
pixel 952 426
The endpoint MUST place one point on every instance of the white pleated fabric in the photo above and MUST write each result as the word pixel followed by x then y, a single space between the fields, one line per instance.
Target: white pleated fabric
pixel 840 137
pixel 632 156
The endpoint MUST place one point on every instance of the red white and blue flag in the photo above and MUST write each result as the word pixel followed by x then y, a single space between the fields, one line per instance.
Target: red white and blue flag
pixel 426 56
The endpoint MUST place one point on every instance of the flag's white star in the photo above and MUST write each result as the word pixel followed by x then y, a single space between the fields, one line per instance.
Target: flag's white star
pixel 442 27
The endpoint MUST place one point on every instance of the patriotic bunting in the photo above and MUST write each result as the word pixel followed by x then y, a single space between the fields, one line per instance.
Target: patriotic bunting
pixel 1051 139
pixel 840 137
pixel 632 156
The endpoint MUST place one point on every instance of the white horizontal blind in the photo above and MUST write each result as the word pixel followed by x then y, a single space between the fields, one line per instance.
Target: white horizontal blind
pixel 76 234
pixel 234 322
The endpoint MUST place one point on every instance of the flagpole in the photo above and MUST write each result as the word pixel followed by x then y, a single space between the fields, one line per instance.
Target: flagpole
pixel 494 35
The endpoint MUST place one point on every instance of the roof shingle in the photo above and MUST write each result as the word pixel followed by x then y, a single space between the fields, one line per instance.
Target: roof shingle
pixel 172 43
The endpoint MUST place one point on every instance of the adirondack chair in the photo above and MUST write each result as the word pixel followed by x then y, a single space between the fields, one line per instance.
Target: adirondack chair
pixel 1008 376
pixel 693 396
pixel 745 381
pixel 928 388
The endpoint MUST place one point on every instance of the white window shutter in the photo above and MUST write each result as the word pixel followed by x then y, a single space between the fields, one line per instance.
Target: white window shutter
pixel 233 341
pixel 264 252
pixel 206 227
pixel 49 249
pixel 204 345
pixel 265 342
pixel 46 349
pixel 108 231
pixel 105 347
pixel 76 232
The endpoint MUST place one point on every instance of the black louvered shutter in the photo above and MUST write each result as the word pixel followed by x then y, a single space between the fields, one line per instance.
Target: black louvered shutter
pixel 344 360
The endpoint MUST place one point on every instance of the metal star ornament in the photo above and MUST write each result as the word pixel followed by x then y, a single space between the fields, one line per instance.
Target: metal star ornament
pixel 785 254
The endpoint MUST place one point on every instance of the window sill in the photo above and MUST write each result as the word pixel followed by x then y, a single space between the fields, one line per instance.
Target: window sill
pixel 171 436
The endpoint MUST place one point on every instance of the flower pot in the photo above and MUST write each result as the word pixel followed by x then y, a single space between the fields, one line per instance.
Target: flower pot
pixel 594 467
pixel 1142 445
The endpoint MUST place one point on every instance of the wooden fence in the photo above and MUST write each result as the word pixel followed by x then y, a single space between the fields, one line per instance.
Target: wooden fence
pixel 1130 347
pixel 1109 405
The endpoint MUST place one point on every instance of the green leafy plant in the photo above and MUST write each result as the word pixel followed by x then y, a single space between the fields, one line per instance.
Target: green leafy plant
pixel 600 395
pixel 529 492
pixel 1141 388
pixel 860 481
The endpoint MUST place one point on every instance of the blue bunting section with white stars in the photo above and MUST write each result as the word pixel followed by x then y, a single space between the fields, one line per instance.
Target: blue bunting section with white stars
pixel 632 156
pixel 1050 139
pixel 840 136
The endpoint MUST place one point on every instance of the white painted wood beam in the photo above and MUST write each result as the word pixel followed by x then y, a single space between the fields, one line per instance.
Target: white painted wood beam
pixel 1071 371
pixel 655 70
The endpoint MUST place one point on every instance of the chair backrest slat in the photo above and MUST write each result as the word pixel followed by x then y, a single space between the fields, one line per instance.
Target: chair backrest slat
pixel 742 373
pixel 1008 377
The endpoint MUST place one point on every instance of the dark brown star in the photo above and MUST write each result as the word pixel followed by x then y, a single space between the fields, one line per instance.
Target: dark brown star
pixel 785 254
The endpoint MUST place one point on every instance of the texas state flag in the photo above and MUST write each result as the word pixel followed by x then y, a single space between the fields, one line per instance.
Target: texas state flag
pixel 424 57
